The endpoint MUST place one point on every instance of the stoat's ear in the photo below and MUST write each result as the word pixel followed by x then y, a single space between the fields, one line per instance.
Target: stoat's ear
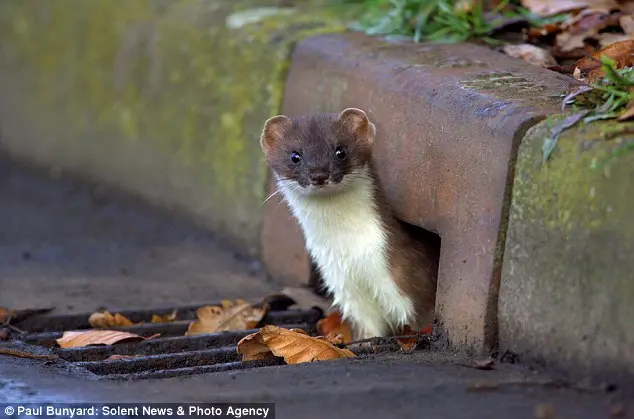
pixel 357 122
pixel 273 129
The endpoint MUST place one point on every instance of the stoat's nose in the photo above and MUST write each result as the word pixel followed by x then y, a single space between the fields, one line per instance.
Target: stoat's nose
pixel 319 178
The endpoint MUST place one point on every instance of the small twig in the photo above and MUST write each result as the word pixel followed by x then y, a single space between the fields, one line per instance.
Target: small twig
pixel 7 323
pixel 22 354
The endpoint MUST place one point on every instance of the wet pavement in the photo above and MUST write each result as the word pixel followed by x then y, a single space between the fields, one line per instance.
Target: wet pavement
pixel 79 248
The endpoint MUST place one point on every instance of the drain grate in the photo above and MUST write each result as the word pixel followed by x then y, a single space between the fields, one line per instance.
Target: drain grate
pixel 171 354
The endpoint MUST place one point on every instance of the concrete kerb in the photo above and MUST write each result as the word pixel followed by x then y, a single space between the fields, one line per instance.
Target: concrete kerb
pixel 567 289
pixel 137 97
pixel 449 120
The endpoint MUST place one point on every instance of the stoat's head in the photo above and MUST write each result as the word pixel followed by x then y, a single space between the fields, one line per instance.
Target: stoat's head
pixel 320 154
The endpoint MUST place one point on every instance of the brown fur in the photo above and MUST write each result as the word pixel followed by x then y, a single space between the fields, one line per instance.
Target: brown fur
pixel 413 262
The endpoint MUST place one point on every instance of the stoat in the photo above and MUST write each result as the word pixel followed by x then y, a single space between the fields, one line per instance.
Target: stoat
pixel 381 279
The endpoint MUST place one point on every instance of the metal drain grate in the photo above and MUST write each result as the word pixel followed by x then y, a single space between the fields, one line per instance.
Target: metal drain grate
pixel 171 354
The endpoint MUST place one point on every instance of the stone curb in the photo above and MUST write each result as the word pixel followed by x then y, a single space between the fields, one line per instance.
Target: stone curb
pixel 138 99
pixel 567 289
pixel 449 119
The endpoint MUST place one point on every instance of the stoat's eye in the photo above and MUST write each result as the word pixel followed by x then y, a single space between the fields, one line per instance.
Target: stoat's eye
pixel 295 157
pixel 340 152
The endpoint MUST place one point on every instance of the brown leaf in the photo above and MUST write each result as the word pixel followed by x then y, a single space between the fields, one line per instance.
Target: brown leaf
pixel 298 348
pixel 167 318
pixel 230 316
pixel 554 7
pixel 407 344
pixel 531 54
pixel 13 316
pixel 76 339
pixel 106 320
pixel 627 24
pixel 621 52
pixel 334 327
pixel 253 348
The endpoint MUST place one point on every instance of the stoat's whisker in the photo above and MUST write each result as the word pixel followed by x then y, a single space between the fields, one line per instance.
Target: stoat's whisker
pixel 271 196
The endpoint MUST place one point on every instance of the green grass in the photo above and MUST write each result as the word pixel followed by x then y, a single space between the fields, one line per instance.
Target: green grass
pixel 433 20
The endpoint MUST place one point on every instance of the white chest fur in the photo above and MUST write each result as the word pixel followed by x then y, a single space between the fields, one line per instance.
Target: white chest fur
pixel 347 240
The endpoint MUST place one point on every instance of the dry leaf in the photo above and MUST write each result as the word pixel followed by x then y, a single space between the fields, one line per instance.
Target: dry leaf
pixel 5 315
pixel 253 348
pixel 578 34
pixel 554 7
pixel 297 347
pixel 407 344
pixel 621 52
pixel 76 339
pixel 333 325
pixel 167 318
pixel 627 24
pixel 106 320
pixel 531 54
pixel 8 315
pixel 230 316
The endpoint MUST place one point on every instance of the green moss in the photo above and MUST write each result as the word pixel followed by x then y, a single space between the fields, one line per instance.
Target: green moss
pixel 171 76
pixel 568 257
pixel 566 192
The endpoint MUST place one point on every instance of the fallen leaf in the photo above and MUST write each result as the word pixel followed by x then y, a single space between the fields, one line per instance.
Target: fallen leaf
pixel 14 316
pixel 76 339
pixel 554 7
pixel 427 330
pixel 550 143
pixel 5 315
pixel 627 24
pixel 22 354
pixel 167 318
pixel 297 347
pixel 230 316
pixel 621 52
pixel 253 348
pixel 117 357
pixel 606 39
pixel 578 34
pixel 576 91
pixel 407 344
pixel 531 54
pixel 333 326
pixel 105 320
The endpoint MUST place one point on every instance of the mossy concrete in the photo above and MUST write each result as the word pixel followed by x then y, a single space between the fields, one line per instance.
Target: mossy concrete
pixel 165 99
pixel 567 288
